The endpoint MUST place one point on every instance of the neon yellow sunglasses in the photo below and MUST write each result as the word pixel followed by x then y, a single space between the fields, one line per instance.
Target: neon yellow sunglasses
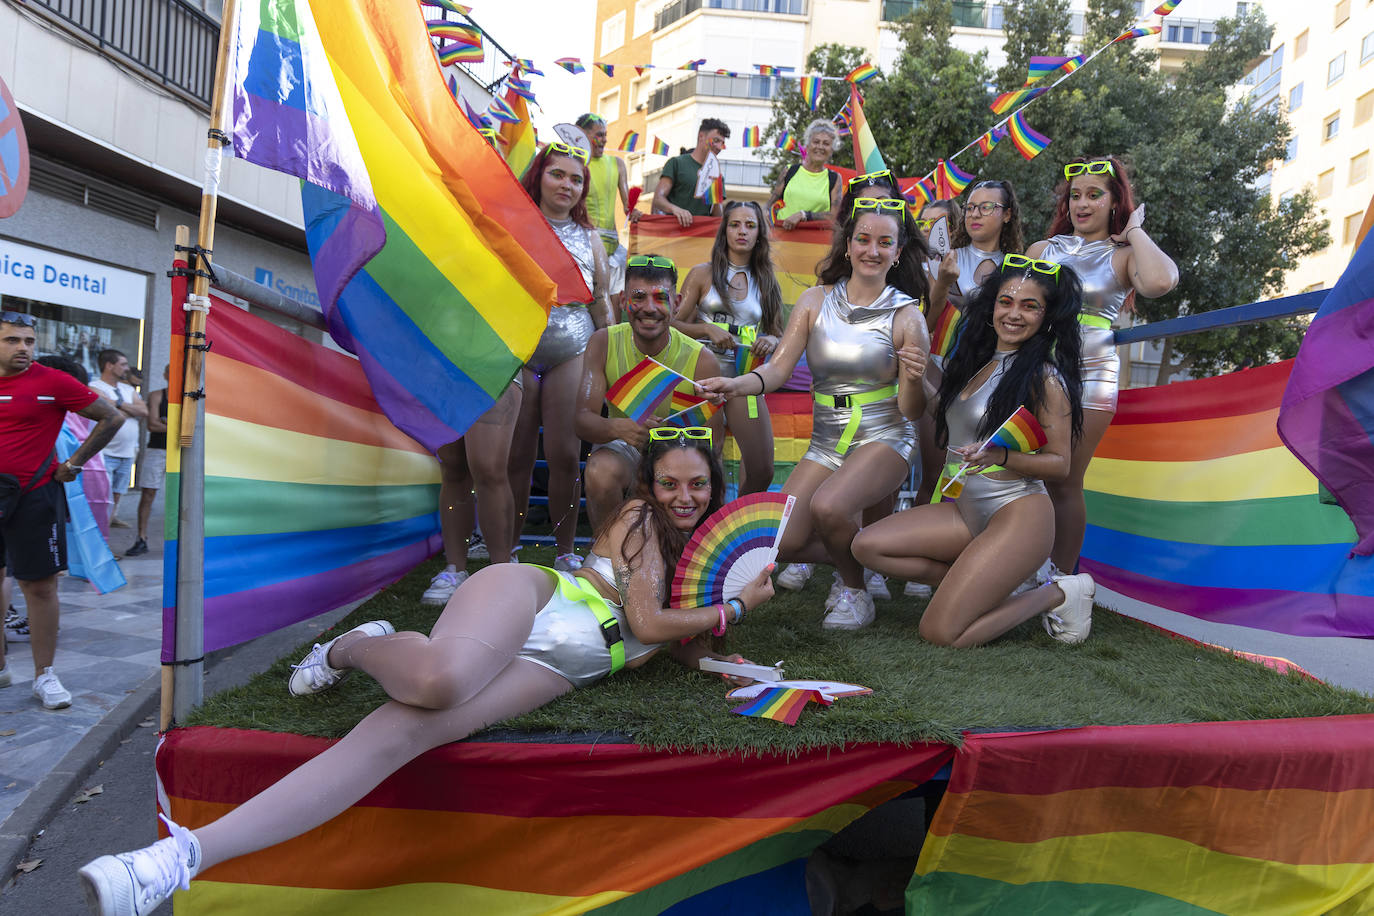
pixel 664 433
pixel 1013 261
pixel 567 150
pixel 870 177
pixel 650 260
pixel 1096 167
pixel 877 203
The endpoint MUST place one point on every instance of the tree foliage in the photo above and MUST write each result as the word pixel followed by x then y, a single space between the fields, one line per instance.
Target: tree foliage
pixel 790 111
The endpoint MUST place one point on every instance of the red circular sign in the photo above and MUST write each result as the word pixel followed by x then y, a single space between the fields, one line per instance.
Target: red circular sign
pixel 14 155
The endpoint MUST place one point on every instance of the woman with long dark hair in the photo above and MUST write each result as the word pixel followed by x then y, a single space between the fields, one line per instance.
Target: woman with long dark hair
pixel 734 305
pixel 557 182
pixel 512 638
pixel 1098 231
pixel 852 327
pixel 1019 348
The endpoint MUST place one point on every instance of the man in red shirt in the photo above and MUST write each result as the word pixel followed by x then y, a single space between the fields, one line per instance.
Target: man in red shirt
pixel 33 527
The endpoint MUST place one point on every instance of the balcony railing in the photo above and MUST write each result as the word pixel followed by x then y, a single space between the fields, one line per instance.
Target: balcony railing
pixel 728 87
pixel 681 8
pixel 1190 32
pixel 169 41
pixel 969 14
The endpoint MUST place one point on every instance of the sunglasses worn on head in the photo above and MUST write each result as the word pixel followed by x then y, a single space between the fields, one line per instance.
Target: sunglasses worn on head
pixel 665 433
pixel 1013 261
pixel 650 260
pixel 870 177
pixel 567 150
pixel 877 203
pixel 1096 167
pixel 18 318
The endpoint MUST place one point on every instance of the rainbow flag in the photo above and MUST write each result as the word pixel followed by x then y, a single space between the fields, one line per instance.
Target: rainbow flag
pixel 811 91
pixel 786 141
pixel 950 180
pixel 1016 98
pixel 638 392
pixel 519 136
pixel 946 330
pixel 751 138
pixel 715 191
pixel 730 73
pixel 1327 419
pixel 525 65
pixel 313 499
pixel 919 193
pixel 1167 7
pixel 1028 141
pixel 1041 67
pixel 861 74
pixel 501 110
pixel 866 155
pixel 630 142
pixel 453 31
pixel 1130 34
pixel 431 266
pixel 660 147
pixel 844 120
pixel 520 87
pixel 449 5
pixel 640 68
pixel 572 64
pixel 771 70
pixel 1195 505
pixel 608 69
pixel 746 360
pixel 1021 433
pixel 782 704
pixel 694 64
pixel 689 409
pixel 461 54
pixel 475 118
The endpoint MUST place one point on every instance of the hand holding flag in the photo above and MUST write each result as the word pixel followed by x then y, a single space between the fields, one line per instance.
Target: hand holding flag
pixel 1021 433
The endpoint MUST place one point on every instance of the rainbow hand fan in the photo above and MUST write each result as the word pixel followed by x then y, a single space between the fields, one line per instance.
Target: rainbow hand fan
pixel 730 549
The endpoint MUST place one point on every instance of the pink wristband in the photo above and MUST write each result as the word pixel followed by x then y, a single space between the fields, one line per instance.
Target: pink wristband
pixel 720 628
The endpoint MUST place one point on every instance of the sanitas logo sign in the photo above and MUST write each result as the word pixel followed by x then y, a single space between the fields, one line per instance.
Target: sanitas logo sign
pixel 299 293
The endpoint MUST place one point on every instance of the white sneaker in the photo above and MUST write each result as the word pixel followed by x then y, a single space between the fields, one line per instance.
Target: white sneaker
pixel 567 562
pixel 1044 575
pixel 1072 620
pixel 5 679
pixel 477 549
pixel 917 590
pixel 314 673
pixel 442 587
pixel 795 576
pixel 876 585
pixel 853 611
pixel 836 588
pixel 135 883
pixel 48 690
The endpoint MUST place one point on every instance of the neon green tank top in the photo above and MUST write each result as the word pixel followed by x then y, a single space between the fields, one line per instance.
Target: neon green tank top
pixel 601 197
pixel 622 355
pixel 806 191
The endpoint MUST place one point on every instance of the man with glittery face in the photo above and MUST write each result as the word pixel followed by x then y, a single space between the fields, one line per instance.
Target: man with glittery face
pixel 649 299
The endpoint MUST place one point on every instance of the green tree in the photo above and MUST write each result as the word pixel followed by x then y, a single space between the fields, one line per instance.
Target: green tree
pixel 1032 29
pixel 790 111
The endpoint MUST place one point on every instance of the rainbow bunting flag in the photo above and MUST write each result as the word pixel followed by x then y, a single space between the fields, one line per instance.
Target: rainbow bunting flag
pixel 811 91
pixel 572 64
pixel 518 136
pixel 866 155
pixel 608 69
pixel 771 70
pixel 946 330
pixel 861 74
pixel 950 180
pixel 475 118
pixel 630 142
pixel 1043 66
pixel 689 409
pixel 1167 7
pixel 1015 99
pixel 782 704
pixel 730 73
pixel 449 5
pixel 431 266
pixel 525 65
pixel 919 194
pixel 1028 141
pixel 694 64
pixel 638 392
pixel 461 54
pixel 639 69
pixel 751 138
pixel 990 140
pixel 520 87
pixel 452 84
pixel 1138 33
pixel 502 111
pixel 1021 433
pixel 660 147
pixel 453 31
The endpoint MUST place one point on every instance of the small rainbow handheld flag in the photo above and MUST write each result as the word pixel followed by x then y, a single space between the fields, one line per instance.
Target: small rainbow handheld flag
pixel 782 704
pixel 950 180
pixel 751 138
pixel 638 392
pixel 1138 33
pixel 862 74
pixel 500 110
pixel 1028 141
pixel 608 69
pixel 1021 433
pixel 746 360
pixel 1167 7
pixel 630 142
pixel 659 147
pixel 811 91
pixel 689 409
pixel 946 330
pixel 462 10
pixel 572 64
pixel 715 191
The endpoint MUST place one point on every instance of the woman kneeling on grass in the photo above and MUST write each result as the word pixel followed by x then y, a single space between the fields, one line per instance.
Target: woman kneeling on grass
pixel 1019 347
pixel 512 638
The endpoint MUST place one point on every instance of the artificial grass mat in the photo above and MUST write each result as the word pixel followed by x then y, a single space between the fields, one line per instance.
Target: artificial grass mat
pixel 1126 673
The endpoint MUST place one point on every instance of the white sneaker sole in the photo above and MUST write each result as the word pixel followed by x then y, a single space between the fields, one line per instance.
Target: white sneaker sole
pixel 102 897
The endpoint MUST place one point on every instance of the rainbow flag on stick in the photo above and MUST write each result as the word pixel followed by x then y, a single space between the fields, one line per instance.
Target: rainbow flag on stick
pixel 811 91
pixel 715 191
pixel 786 141
pixel 782 704
pixel 862 74
pixel 946 330
pixel 689 409
pixel 1020 433
pixel 659 147
pixel 950 180
pixel 866 155
pixel 630 142
pixel 638 392
pixel 1028 141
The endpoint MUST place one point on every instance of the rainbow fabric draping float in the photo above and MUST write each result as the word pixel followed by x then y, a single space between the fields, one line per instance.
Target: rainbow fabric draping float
pixel 313 498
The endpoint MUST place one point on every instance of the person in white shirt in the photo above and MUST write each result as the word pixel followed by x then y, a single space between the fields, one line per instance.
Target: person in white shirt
pixel 120 453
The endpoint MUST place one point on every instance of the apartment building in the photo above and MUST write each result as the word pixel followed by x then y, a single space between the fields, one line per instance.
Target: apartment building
pixel 1321 70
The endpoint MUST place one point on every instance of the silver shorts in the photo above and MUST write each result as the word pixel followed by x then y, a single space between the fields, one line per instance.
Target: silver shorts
pixel 566 637
pixel 565 338
pixel 1101 368
pixel 983 496
pixel 881 421
pixel 623 449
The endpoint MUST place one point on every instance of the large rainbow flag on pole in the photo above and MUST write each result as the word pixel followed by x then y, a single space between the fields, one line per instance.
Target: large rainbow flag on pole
pixel 431 265
pixel 518 137
pixel 866 153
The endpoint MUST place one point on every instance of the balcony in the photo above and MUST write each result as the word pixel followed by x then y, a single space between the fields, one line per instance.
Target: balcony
pixel 967 15
pixel 714 85
pixel 1189 32
pixel 168 41
pixel 679 9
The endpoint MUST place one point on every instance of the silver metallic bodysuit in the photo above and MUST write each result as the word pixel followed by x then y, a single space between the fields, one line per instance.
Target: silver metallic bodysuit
pixel 566 637
pixel 969 259
pixel 570 326
pixel 1103 299
pixel 850 352
pixel 738 315
pixel 983 494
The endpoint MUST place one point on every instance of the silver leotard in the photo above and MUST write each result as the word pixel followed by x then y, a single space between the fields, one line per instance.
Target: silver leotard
pixel 983 495
pixel 1103 299
pixel 969 259
pixel 746 313
pixel 850 352
pixel 570 326
pixel 566 637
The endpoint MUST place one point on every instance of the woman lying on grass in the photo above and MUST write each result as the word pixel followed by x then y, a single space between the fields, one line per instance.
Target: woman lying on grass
pixel 512 638
pixel 1018 347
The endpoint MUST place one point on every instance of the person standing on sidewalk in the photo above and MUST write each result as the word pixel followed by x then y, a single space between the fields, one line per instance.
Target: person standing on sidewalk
pixel 33 402
pixel 120 453
pixel 153 468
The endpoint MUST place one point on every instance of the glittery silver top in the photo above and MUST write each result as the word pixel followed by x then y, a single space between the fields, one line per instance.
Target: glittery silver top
pixel 1103 294
pixel 969 260
pixel 850 349
pixel 579 243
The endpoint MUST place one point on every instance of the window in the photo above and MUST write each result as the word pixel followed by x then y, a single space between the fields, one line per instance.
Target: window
pixel 639 92
pixel 1295 97
pixel 608 106
pixel 1243 9
pixel 1342 13
pixel 1291 152
pixel 1331 127
pixel 1350 228
pixel 644 16
pixel 1359 167
pixel 612 33
pixel 1336 69
pixel 1326 183
pixel 1364 107
pixel 1367 48
pixel 1300 45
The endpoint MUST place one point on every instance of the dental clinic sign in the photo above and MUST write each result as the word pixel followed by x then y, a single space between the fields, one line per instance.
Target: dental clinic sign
pixel 36 273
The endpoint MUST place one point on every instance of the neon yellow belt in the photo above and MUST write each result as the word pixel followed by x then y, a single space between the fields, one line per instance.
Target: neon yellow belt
pixel 855 404
pixel 748 335
pixel 950 470
pixel 1095 321
pixel 577 589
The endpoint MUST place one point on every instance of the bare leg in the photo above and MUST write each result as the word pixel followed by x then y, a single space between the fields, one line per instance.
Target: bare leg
pixel 145 510
pixel 41 597
pixel 487 446
pixel 931 458
pixel 523 449
pixel 800 543
pixel 609 476
pixel 472 636
pixel 755 439
pixel 868 475
pixel 918 545
pixel 1070 511
pixel 456 504
pixel 561 447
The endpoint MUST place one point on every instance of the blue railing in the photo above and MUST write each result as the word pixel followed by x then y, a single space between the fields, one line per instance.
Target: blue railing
pixel 1229 317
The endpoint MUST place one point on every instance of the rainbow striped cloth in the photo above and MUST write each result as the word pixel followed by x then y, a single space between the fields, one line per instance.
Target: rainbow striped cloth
pixel 432 266
pixel 1015 98
pixel 659 147
pixel 1138 33
pixel 810 87
pixel 608 69
pixel 782 704
pixel 518 135
pixel 946 330
pixel 572 64
pixel 638 392
pixel 1021 433
pixel 1028 141
pixel 865 147
pixel 950 180
pixel 750 138
pixel 1167 7
pixel 862 73
pixel 630 142
pixel 689 409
